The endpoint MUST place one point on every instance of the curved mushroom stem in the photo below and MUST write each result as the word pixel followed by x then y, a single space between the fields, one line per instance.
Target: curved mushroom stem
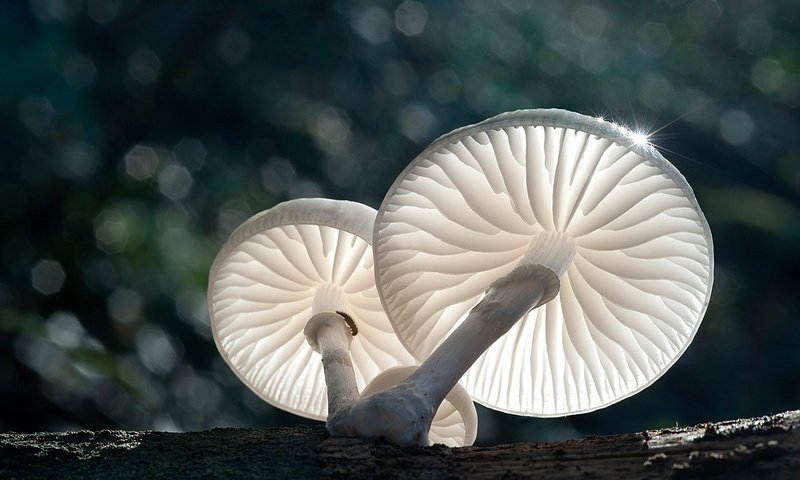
pixel 403 414
pixel 507 300
pixel 329 335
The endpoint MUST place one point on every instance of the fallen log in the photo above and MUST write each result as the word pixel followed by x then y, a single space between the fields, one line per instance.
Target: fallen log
pixel 744 448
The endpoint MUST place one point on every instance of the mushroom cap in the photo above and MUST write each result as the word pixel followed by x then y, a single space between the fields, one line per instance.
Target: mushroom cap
pixel 456 421
pixel 262 286
pixel 634 249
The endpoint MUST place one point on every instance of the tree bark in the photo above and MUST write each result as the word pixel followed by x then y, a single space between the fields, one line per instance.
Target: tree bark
pixel 747 448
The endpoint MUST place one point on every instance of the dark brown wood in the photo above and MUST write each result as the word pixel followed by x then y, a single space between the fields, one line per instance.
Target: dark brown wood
pixel 762 447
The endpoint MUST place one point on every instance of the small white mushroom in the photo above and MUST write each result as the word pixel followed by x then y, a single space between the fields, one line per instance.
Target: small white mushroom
pixel 532 207
pixel 292 268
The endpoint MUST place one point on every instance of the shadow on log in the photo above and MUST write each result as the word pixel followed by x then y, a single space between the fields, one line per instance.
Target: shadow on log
pixel 747 448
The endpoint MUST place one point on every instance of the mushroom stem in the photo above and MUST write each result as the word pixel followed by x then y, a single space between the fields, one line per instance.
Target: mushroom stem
pixel 553 250
pixel 507 300
pixel 328 334
pixel 403 414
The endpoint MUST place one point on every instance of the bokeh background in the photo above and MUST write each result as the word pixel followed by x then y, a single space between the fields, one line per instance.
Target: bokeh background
pixel 135 135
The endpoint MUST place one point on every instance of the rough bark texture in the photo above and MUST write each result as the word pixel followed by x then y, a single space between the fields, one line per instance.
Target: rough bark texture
pixel 749 448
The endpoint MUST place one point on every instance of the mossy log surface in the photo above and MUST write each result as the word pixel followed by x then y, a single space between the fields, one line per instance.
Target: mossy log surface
pixel 745 448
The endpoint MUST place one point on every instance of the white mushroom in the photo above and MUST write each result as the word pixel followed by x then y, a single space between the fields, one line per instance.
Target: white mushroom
pixel 490 218
pixel 290 269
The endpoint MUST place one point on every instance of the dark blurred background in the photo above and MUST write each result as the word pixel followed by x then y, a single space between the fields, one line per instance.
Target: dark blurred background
pixel 135 135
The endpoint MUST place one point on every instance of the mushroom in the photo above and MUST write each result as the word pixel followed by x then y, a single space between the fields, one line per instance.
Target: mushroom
pixel 296 279
pixel 455 423
pixel 552 208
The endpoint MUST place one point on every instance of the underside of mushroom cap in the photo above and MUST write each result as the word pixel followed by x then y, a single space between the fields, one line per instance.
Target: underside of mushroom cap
pixel 456 421
pixel 570 192
pixel 273 272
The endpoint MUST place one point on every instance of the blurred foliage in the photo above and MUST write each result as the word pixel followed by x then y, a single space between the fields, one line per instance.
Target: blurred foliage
pixel 136 135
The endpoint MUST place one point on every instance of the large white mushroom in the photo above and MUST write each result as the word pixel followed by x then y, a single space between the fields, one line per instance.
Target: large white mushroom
pixel 296 281
pixel 540 207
